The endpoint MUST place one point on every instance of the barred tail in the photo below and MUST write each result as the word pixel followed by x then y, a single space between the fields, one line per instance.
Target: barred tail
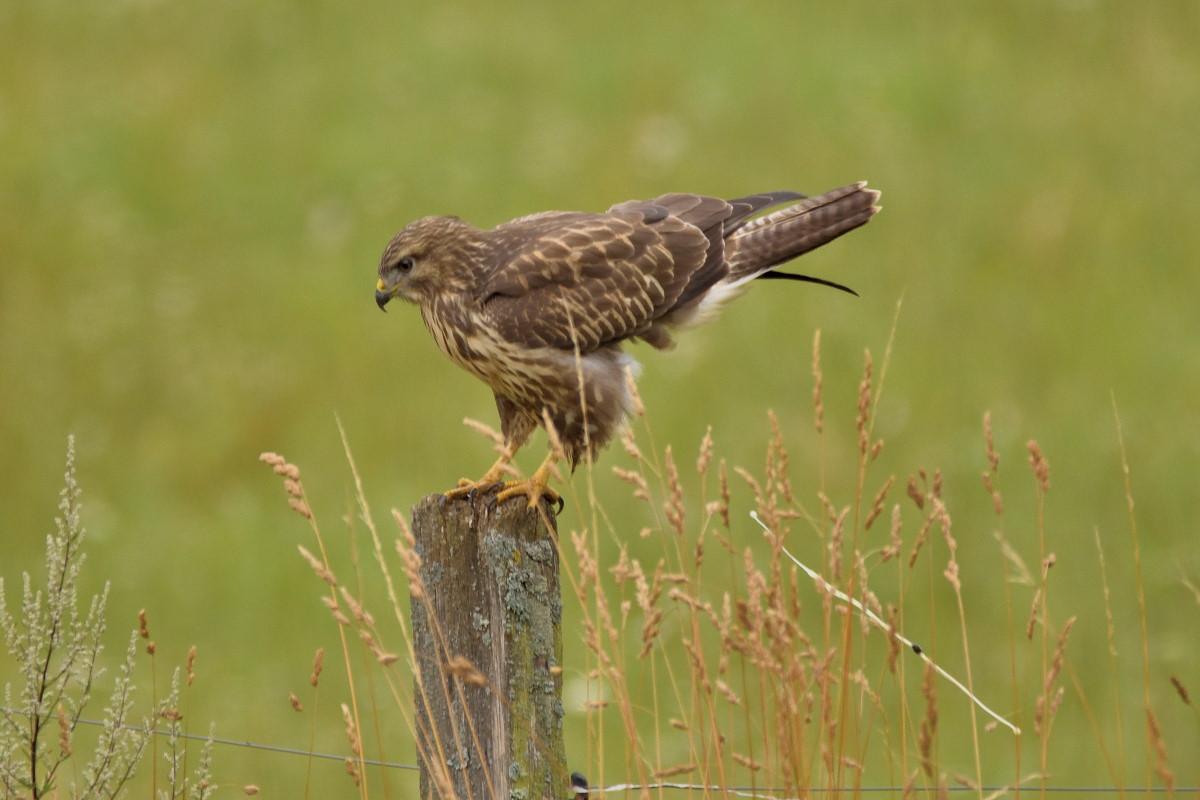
pixel 760 245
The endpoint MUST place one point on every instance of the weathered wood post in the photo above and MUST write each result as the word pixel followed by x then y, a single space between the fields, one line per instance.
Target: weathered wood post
pixel 488 640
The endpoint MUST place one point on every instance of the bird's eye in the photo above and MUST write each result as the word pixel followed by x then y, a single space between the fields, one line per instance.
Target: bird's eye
pixel 405 264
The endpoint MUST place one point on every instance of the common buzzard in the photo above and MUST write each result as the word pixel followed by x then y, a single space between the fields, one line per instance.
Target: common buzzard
pixel 538 308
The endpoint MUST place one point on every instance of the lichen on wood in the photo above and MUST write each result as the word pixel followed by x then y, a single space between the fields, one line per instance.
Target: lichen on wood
pixel 492 597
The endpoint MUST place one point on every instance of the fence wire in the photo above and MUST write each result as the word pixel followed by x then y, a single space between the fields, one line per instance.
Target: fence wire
pixel 763 792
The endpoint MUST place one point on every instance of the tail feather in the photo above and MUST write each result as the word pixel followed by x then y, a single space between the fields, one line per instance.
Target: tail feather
pixel 746 207
pixel 768 241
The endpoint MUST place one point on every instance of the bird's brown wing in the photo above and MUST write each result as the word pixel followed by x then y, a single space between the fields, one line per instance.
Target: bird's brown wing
pixel 565 279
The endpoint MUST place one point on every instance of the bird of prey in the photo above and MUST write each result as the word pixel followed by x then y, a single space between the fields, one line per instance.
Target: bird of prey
pixel 538 308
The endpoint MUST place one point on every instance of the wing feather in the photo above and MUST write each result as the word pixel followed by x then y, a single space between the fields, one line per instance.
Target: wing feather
pixel 590 280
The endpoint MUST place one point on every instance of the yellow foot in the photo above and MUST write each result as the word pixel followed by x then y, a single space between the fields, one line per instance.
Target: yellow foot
pixel 534 488
pixel 492 479
pixel 469 488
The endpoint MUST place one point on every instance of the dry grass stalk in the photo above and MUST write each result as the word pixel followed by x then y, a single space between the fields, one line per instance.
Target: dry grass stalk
pixel 1159 745
pixel 1039 465
pixel 1181 690
pixel 673 504
pixel 629 442
pixel 951 570
pixel 723 502
pixel 777 456
pixel 992 474
pixel 318 567
pixel 486 431
pixel 895 544
pixel 356 608
pixel 318 665
pixel 760 499
pixel 1037 609
pixel 747 762
pixel 355 742
pixel 410 561
pixel 862 420
pixel 291 484
pixel 914 491
pixel 706 453
pixel 922 536
pixel 989 442
pixel 64 731
pixel 642 488
pixel 556 443
pixel 1049 701
pixel 877 505
pixel 297 500
pixel 927 732
pixel 990 485
pixel 835 543
pixel 637 407
pixel 893 652
pixel 818 382
pixel 671 772
pixel 1034 609
pixel 465 671
pixel 144 632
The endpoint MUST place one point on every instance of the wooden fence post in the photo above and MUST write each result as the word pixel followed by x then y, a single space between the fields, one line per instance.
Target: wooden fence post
pixel 488 640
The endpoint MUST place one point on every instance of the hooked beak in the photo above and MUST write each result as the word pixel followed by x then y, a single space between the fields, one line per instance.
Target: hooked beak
pixel 382 295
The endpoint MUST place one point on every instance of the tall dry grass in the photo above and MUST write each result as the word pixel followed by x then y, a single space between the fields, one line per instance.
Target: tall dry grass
pixel 711 661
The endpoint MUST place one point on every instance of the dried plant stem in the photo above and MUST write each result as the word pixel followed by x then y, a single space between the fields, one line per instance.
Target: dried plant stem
pixel 1115 768
pixel 951 574
pixel 299 503
pixel 991 483
pixel 1141 589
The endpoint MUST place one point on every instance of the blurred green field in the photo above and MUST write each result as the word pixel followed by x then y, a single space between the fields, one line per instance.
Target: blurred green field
pixel 193 198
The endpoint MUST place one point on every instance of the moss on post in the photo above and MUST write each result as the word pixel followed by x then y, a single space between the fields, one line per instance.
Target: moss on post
pixel 488 639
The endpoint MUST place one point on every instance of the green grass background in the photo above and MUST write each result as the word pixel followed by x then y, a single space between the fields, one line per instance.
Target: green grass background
pixel 193 198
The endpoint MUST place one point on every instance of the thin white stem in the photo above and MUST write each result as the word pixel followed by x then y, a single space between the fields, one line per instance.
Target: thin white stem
pixel 879 623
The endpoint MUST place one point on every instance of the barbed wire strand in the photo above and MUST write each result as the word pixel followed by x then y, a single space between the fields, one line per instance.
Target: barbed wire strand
pixel 763 792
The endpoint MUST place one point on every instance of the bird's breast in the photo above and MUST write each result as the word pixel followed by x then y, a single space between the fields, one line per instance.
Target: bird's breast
pixel 468 341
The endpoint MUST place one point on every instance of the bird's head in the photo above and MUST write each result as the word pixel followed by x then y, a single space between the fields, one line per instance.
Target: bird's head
pixel 424 259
